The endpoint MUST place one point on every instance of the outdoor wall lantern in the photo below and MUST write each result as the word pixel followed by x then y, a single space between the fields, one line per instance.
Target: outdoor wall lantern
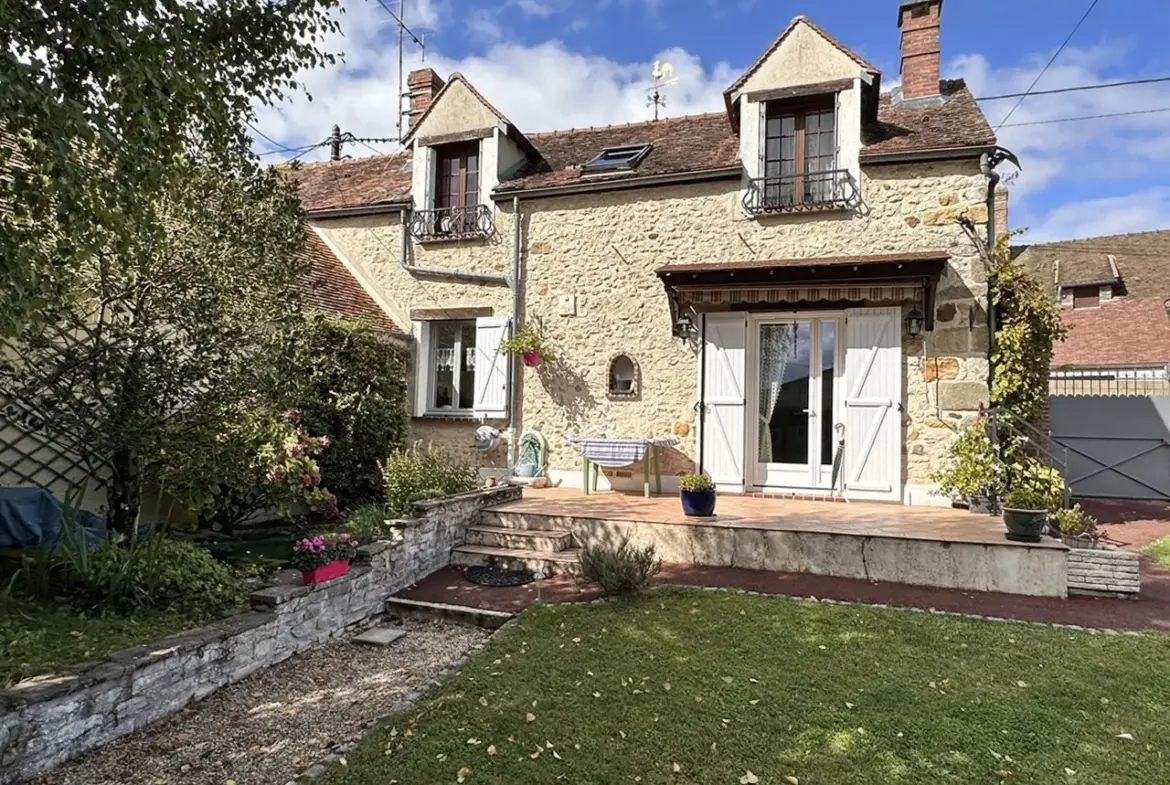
pixel 915 321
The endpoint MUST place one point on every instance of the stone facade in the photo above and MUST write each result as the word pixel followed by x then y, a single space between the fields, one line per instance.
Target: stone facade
pixel 46 721
pixel 602 250
pixel 1103 570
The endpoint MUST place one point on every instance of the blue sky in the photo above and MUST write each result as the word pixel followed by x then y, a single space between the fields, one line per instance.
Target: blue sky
pixel 562 63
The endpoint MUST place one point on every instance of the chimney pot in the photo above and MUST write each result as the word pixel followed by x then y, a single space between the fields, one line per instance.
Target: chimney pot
pixel 919 21
pixel 422 86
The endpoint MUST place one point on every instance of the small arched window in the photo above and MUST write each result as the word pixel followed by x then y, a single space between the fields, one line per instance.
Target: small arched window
pixel 623 377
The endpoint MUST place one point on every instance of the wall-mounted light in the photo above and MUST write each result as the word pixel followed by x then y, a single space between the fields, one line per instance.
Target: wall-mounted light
pixel 915 321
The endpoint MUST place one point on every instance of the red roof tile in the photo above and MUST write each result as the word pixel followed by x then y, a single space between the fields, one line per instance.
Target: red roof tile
pixel 354 182
pixel 1120 332
pixel 330 288
pixel 957 122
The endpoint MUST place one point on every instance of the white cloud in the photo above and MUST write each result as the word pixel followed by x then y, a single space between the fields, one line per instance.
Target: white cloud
pixel 1136 212
pixel 535 8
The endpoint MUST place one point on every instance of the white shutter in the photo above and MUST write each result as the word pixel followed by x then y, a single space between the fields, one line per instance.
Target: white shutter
pixel 491 367
pixel 724 357
pixel 873 390
pixel 422 366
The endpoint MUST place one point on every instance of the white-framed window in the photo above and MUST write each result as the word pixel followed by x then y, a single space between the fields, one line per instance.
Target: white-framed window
pixel 459 370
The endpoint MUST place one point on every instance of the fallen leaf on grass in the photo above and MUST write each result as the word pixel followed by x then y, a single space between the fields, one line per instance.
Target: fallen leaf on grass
pixel 462 773
pixel 1021 684
pixel 536 754
pixel 792 780
pixel 666 686
pixel 529 717
pixel 748 779
pixel 491 750
pixel 1126 736
pixel 1069 772
pixel 558 757
pixel 728 679
pixel 757 700
pixel 676 768
pixel 754 681
pixel 474 741
pixel 848 705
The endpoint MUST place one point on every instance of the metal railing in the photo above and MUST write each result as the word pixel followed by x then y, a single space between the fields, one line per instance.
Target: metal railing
pixel 831 189
pixel 1110 381
pixel 452 223
pixel 1004 424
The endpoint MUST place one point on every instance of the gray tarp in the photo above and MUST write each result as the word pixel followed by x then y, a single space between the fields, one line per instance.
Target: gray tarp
pixel 30 517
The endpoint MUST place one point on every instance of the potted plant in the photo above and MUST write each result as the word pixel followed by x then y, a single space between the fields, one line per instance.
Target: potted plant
pixel 1078 529
pixel 1035 491
pixel 970 475
pixel 697 494
pixel 528 343
pixel 323 558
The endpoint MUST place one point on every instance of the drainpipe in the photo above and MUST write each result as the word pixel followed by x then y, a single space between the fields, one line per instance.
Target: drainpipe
pixel 987 163
pixel 513 403
pixel 438 272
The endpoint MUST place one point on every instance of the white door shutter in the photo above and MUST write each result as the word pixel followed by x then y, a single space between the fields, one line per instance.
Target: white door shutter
pixel 491 367
pixel 422 366
pixel 724 358
pixel 873 390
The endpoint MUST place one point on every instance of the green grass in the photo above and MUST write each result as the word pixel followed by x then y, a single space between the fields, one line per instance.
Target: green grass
pixel 1159 551
pixel 34 640
pixel 698 687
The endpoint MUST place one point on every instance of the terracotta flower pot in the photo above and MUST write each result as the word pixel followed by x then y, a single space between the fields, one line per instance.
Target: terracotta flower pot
pixel 532 358
pixel 327 572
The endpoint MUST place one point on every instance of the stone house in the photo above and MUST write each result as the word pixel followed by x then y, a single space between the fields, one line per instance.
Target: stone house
pixel 744 280
pixel 1114 292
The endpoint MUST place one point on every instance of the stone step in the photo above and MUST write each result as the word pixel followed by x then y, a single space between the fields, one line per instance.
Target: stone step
pixel 503 519
pixel 401 608
pixel 550 540
pixel 545 562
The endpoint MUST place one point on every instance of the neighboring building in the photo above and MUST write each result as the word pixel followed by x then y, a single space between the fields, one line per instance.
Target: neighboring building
pixel 763 260
pixel 1114 293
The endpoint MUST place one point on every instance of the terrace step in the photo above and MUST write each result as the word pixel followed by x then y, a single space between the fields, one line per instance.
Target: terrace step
pixel 503 519
pixel 519 539
pixel 549 563
pixel 402 608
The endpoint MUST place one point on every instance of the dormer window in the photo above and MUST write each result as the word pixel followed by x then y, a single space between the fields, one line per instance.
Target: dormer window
pixel 616 159
pixel 457 213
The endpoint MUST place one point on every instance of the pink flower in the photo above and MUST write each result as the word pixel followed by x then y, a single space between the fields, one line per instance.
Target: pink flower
pixel 293 416
pixel 276 474
pixel 323 441
pixel 295 450
pixel 307 480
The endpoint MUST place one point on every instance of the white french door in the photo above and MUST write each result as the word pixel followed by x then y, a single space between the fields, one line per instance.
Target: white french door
pixel 794 399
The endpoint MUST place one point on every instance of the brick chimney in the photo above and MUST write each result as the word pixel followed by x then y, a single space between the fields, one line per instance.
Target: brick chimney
pixel 422 85
pixel 919 21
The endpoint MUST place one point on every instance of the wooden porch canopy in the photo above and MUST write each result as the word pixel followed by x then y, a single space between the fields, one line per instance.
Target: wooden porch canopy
pixel 887 278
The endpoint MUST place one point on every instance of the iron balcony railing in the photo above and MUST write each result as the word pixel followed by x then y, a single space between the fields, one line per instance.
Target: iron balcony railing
pixel 452 223
pixel 834 189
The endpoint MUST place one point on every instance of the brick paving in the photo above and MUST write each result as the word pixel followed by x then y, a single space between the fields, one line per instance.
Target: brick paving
pixel 1150 611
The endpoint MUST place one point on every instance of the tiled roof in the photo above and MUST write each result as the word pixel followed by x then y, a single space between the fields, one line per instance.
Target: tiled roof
pixel 690 144
pixel 354 182
pixel 329 287
pixel 1143 262
pixel 816 261
pixel 780 38
pixel 957 122
pixel 1122 332
pixel 1130 328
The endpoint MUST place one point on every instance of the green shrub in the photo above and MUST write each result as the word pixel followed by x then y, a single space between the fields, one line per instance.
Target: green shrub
pixel 1076 522
pixel 356 395
pixel 624 571
pixel 368 523
pixel 423 473
pixel 1033 485
pixel 971 461
pixel 1159 551
pixel 158 574
pixel 695 482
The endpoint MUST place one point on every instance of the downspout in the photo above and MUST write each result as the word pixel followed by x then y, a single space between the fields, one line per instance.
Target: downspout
pixel 702 407
pixel 986 165
pixel 513 405
pixel 438 272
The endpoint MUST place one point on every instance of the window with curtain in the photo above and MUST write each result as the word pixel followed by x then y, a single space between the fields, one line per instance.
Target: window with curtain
pixel 800 141
pixel 457 185
pixel 452 366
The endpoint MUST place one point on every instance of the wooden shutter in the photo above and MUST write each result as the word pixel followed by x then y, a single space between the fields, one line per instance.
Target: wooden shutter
pixel 873 390
pixel 491 367
pixel 422 366
pixel 724 357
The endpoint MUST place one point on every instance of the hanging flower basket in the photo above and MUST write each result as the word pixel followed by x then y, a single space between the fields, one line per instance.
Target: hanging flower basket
pixel 527 343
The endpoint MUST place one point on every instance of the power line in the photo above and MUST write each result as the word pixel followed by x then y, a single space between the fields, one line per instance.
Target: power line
pixel 1086 117
pixel 1051 60
pixel 1075 89
pixel 280 148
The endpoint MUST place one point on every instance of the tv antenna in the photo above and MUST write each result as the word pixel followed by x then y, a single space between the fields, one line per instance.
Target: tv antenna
pixel 419 40
pixel 663 74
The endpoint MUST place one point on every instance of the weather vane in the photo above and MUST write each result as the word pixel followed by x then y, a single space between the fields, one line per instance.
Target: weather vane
pixel 663 74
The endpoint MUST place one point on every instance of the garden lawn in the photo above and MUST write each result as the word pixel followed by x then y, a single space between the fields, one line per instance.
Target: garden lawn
pixel 35 640
pixel 1159 551
pixel 688 686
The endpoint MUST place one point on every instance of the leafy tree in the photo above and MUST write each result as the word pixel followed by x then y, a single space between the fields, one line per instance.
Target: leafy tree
pixel 100 102
pixel 156 344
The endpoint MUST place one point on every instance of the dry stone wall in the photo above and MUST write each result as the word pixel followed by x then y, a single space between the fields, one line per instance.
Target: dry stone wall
pixel 1103 570
pixel 46 721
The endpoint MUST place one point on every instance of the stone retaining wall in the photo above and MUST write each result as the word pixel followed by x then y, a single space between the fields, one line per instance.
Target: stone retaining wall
pixel 1103 570
pixel 48 720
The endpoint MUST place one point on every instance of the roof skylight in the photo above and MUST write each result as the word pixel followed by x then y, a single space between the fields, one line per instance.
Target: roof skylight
pixel 618 158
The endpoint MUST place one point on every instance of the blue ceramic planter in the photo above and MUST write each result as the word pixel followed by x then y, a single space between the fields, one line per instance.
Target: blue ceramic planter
pixel 698 504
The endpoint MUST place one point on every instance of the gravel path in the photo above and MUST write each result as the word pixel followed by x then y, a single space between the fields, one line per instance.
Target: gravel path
pixel 268 728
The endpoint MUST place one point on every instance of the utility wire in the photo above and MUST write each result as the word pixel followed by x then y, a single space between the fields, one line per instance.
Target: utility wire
pixel 1086 117
pixel 1051 60
pixel 1075 89
pixel 280 148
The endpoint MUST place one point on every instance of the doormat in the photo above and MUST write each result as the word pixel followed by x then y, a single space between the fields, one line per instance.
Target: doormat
pixel 486 575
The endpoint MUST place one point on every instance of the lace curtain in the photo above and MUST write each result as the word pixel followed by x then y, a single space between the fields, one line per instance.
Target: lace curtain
pixel 777 343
